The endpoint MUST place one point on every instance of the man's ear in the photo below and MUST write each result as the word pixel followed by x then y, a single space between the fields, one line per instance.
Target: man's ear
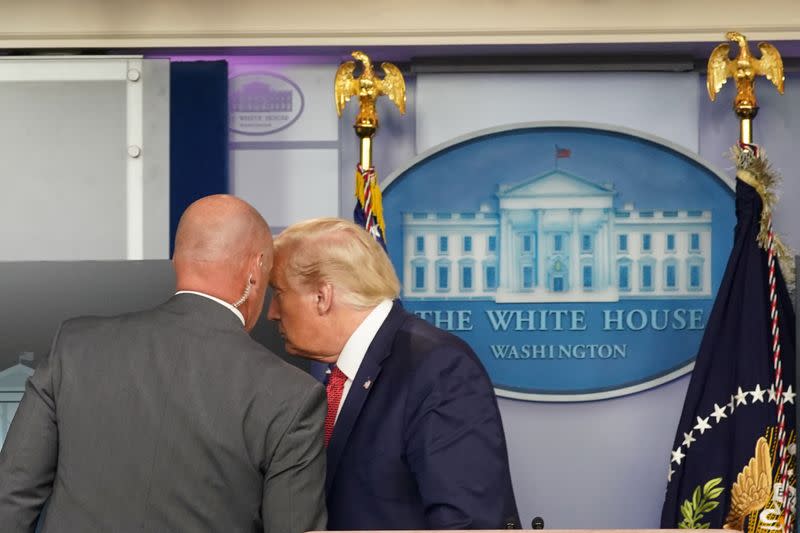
pixel 324 297
pixel 257 270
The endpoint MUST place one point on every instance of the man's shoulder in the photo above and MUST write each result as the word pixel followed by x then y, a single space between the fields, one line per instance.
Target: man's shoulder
pixel 283 375
pixel 427 350
pixel 422 336
pixel 277 386
pixel 242 352
pixel 83 325
pixel 92 327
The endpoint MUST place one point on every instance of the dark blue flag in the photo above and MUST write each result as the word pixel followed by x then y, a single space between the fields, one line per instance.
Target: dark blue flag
pixel 733 460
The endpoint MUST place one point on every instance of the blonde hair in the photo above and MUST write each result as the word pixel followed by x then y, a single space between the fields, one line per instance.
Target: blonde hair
pixel 339 252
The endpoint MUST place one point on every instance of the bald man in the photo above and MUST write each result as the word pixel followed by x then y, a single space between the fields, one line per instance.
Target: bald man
pixel 173 419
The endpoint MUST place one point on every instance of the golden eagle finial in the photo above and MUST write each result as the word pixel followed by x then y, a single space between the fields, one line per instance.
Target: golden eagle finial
pixel 753 487
pixel 744 70
pixel 368 87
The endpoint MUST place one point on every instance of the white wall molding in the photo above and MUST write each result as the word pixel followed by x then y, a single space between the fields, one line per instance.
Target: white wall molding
pixel 179 23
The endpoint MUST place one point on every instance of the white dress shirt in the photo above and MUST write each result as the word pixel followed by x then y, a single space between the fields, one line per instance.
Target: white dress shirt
pixel 357 345
pixel 221 302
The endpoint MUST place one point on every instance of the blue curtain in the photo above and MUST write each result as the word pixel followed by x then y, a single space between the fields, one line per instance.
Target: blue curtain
pixel 198 134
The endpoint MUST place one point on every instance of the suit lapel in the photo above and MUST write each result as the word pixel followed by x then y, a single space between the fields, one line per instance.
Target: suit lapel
pixel 362 385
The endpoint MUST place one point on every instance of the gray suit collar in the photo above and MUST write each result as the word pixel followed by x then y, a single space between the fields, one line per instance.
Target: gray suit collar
pixel 203 310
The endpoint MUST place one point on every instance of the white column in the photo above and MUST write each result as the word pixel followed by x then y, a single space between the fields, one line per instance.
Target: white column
pixel 541 247
pixel 610 246
pixel 537 251
pixel 575 282
pixel 705 250
pixel 506 247
pixel 604 260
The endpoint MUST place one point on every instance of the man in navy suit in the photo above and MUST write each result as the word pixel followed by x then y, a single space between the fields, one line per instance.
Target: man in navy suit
pixel 414 437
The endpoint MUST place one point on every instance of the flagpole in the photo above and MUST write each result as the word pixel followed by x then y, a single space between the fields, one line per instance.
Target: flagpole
pixel 365 153
pixel 754 170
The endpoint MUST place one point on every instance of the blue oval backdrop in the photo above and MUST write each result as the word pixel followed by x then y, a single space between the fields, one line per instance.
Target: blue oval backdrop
pixel 579 262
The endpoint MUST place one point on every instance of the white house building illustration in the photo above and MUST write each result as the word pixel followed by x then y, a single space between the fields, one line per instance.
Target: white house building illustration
pixel 557 237
pixel 12 385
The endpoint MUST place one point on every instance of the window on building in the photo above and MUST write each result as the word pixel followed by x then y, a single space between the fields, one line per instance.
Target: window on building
pixel 467 243
pixel 419 277
pixel 622 243
pixel 442 277
pixel 420 247
pixel 558 284
pixel 670 242
pixel 587 276
pixel 526 243
pixel 466 277
pixel 695 277
pixel 647 277
pixel 623 277
pixel 694 242
pixel 647 242
pixel 670 276
pixel 586 243
pixel 491 277
pixel 558 242
pixel 527 277
pixel 443 245
pixel 492 244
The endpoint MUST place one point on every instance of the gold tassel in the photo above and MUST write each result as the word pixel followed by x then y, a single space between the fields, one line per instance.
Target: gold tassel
pixel 377 205
pixel 359 187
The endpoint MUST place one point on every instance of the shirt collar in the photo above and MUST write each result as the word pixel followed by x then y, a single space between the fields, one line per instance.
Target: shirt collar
pixel 357 345
pixel 235 311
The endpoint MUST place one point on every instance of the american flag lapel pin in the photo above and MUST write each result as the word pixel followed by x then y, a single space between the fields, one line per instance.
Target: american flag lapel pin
pixel 367 384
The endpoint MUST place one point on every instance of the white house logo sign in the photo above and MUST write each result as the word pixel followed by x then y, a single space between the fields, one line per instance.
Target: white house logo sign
pixel 579 263
pixel 263 103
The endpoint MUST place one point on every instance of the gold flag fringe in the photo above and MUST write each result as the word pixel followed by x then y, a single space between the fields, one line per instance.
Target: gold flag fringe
pixel 756 171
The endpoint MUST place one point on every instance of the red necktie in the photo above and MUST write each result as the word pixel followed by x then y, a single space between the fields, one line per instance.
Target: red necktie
pixel 334 389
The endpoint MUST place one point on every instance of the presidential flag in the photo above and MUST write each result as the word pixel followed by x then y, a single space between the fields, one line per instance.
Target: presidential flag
pixel 368 212
pixel 732 463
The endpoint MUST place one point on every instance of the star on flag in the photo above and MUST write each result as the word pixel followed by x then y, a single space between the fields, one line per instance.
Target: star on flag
pixel 702 425
pixel 758 394
pixel 719 413
pixel 677 455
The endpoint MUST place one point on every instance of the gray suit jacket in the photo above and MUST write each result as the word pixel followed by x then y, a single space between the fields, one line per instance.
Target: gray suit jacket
pixel 168 420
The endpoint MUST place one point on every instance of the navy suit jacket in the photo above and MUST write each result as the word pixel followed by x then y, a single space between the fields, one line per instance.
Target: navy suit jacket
pixel 419 442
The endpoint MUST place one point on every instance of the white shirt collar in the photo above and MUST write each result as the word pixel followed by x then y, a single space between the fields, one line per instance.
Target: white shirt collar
pixel 356 347
pixel 235 311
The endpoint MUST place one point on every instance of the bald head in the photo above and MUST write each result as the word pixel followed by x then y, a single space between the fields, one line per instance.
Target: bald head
pixel 223 245
pixel 219 228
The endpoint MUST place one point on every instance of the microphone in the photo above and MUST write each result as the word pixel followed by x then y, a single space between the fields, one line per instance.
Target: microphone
pixel 511 523
pixel 537 523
